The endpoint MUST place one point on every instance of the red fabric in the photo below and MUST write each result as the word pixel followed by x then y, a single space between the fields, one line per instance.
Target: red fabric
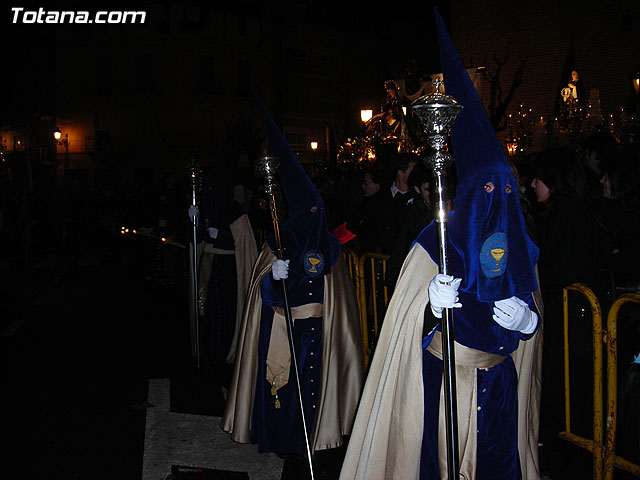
pixel 342 234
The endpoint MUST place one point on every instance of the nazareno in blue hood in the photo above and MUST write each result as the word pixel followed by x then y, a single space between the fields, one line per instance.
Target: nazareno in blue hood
pixel 486 226
pixel 306 240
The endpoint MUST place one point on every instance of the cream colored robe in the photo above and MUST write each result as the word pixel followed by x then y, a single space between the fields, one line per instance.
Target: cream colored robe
pixel 246 255
pixel 342 360
pixel 387 434
pixel 528 361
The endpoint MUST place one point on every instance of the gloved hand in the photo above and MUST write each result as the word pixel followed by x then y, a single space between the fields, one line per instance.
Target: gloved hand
pixel 443 293
pixel 514 314
pixel 193 212
pixel 280 269
pixel 213 232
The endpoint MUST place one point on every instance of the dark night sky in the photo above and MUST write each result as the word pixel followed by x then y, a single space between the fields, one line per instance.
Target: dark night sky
pixel 30 60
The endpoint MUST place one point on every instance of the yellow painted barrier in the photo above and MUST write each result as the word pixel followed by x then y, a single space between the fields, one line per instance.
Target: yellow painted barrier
pixel 602 446
pixel 611 460
pixel 353 263
pixel 375 265
pixel 595 445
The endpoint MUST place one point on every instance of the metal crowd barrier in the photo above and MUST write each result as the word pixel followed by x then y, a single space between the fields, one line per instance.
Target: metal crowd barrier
pixel 611 460
pixel 353 265
pixel 604 456
pixel 595 445
pixel 368 272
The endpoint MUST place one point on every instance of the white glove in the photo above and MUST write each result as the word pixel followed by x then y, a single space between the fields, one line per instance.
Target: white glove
pixel 193 212
pixel 280 269
pixel 514 314
pixel 213 232
pixel 443 293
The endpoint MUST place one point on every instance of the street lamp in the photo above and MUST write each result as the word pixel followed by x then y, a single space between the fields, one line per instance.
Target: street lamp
pixel 314 147
pixel 57 135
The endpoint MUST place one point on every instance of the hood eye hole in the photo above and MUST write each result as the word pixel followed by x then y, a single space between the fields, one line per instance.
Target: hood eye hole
pixel 488 187
pixel 313 209
pixel 508 188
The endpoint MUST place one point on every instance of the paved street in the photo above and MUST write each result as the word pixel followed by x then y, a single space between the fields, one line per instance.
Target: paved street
pixel 97 377
pixel 82 335
pixel 80 341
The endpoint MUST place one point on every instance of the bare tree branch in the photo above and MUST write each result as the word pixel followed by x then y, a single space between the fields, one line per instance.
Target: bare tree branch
pixel 498 105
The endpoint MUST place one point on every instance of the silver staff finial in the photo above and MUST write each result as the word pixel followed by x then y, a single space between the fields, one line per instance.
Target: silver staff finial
pixel 267 167
pixel 437 112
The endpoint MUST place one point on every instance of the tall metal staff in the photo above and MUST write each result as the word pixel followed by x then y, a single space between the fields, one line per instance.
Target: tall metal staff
pixel 195 174
pixel 437 113
pixel 267 166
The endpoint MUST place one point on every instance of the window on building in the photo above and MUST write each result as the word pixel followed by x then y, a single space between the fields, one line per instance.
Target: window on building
pixel 244 78
pixel 297 139
pixel 205 74
pixel 296 95
pixel 242 25
pixel 89 143
pixel 103 69
pixel 143 73
pixel 101 141
pixel 297 55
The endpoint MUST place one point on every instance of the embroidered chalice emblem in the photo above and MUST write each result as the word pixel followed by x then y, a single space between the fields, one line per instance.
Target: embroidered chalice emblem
pixel 313 262
pixel 497 254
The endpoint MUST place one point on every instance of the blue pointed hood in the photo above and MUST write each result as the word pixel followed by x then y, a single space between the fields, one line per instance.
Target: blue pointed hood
pixel 486 226
pixel 218 197
pixel 305 235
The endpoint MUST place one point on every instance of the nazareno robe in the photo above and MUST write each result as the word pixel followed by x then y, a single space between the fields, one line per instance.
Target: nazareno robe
pixel 225 266
pixel 224 272
pixel 248 413
pixel 396 432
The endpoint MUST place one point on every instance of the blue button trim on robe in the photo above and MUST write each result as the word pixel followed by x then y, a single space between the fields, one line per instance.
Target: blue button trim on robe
pixel 280 430
pixel 474 327
pixel 497 438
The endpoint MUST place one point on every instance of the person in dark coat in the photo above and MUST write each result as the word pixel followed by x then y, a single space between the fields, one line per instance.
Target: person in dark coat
pixel 366 222
pixel 574 248
pixel 570 228
pixel 620 209
pixel 417 215
pixel 598 149
pixel 394 200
